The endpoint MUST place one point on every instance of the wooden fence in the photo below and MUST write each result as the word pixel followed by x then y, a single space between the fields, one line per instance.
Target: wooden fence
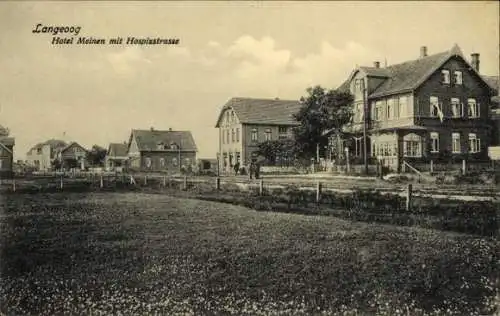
pixel 115 181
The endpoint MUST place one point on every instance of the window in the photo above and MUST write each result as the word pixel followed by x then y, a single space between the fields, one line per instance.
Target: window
pixel 434 106
pixel 232 135
pixel 237 134
pixel 390 109
pixel 445 76
pixel 232 117
pixel 455 143
pixel 187 161
pixel 412 145
pixel 268 134
pixel 474 143
pixel 473 108
pixel 162 162
pixel 282 132
pixel 458 77
pixel 223 137
pixel 434 142
pixel 378 111
pixel 403 106
pixel 456 108
pixel 227 136
pixel 412 148
pixel 175 162
pixel 227 117
pixel 254 136
pixel 147 162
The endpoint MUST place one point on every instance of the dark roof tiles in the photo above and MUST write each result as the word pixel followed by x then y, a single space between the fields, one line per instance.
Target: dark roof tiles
pixel 149 139
pixel 263 111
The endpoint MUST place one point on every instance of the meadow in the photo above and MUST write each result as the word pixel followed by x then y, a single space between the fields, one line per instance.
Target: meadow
pixel 151 254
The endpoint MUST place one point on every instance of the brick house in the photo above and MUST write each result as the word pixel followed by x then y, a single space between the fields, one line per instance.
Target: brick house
pixel 6 153
pixel 436 107
pixel 73 156
pixel 161 151
pixel 43 154
pixel 244 123
pixel 116 155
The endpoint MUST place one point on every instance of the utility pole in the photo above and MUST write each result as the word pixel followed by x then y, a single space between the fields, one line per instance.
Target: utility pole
pixel 365 112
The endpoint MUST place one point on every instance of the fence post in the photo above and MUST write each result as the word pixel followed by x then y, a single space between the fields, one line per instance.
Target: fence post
pixel 217 183
pixel 14 185
pixel 408 197
pixel 164 181
pixel 101 182
pixel 185 186
pixel 464 167
pixel 132 180
pixel 145 180
pixel 318 192
pixel 62 182
pixel 261 187
pixel 432 166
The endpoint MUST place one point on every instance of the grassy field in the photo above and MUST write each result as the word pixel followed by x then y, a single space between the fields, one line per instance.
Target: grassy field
pixel 140 254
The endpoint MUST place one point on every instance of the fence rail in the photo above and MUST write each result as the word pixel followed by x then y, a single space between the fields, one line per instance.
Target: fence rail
pixel 66 181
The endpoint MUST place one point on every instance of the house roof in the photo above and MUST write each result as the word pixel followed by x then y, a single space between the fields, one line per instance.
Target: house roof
pixel 53 143
pixel 71 145
pixel 411 74
pixel 7 141
pixel 118 149
pixel 263 111
pixel 149 139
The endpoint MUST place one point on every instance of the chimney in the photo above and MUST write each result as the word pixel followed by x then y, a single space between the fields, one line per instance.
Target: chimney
pixel 170 129
pixel 376 64
pixel 474 60
pixel 276 98
pixel 423 51
pixel 152 128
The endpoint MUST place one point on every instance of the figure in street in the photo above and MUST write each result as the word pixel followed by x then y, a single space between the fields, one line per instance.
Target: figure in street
pixel 236 168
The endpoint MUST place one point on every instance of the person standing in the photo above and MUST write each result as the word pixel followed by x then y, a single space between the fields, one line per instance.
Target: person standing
pixel 236 168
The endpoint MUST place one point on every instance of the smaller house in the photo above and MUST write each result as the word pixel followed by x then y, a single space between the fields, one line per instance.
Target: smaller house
pixel 73 156
pixel 42 155
pixel 161 150
pixel 6 153
pixel 116 156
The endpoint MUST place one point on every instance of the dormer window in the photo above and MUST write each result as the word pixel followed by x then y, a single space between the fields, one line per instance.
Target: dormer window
pixel 174 146
pixel 445 74
pixel 458 77
pixel 160 146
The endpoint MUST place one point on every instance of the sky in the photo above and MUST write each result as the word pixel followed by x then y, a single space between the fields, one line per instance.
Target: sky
pixel 95 94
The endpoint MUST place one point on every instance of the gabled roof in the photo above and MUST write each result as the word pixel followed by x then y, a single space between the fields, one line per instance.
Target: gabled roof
pixel 71 145
pixel 408 75
pixel 117 149
pixel 411 74
pixel 148 140
pixel 263 111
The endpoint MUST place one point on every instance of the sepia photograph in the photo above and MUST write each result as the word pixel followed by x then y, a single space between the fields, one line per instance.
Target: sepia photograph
pixel 250 158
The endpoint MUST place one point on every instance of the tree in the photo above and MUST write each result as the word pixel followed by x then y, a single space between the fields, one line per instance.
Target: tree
pixel 96 155
pixel 323 110
pixel 284 150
